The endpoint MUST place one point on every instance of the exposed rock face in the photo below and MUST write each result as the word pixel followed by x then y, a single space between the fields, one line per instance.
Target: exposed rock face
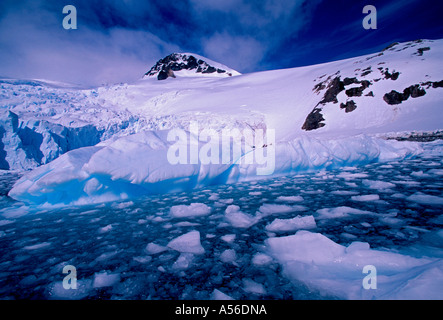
pixel 358 91
pixel 313 121
pixel 334 88
pixel 387 75
pixel 165 67
pixel 421 50
pixel 348 106
pixel 395 97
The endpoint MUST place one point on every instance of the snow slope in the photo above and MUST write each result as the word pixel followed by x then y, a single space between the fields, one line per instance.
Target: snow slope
pixel 323 116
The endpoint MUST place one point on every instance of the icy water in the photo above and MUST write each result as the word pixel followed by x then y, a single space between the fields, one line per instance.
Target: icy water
pixel 120 249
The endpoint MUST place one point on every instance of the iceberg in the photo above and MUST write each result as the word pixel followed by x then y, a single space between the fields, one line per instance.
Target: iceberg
pixel 136 165
pixel 334 269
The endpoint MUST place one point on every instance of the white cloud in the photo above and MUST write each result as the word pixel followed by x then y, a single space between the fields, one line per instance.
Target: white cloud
pixel 37 46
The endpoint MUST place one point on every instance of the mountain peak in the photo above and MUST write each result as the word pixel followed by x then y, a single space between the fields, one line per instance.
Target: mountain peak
pixel 188 65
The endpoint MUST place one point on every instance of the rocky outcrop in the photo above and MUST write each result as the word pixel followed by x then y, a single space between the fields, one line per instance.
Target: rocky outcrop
pixel 395 97
pixel 166 67
pixel 414 91
pixel 314 120
pixel 421 50
pixel 349 106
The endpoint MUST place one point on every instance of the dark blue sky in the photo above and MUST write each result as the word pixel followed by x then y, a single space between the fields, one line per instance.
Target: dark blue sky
pixel 119 40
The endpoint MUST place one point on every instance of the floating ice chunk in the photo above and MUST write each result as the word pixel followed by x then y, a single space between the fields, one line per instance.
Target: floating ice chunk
pixel 228 256
pixel 239 219
pixel 142 259
pixel 253 287
pixel 425 199
pixel 344 193
pixel 339 212
pixel 261 259
pixel 438 172
pixel 153 248
pixel 56 290
pixel 371 184
pixel 188 243
pixel 229 238
pixel 366 198
pixel 299 222
pixel 218 295
pixel 366 224
pixel 183 261
pixel 352 176
pixel 255 193
pixel 226 201
pixel 304 246
pixel 6 222
pixel 106 256
pixel 214 197
pixel 193 210
pixel 269 208
pixel 420 174
pixel 290 199
pixel 14 212
pixel 123 205
pixel 333 269
pixel 357 246
pixel 105 229
pixel 105 279
pixel 38 246
pixel 186 224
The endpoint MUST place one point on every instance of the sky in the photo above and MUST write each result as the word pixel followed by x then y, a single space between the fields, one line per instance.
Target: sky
pixel 118 41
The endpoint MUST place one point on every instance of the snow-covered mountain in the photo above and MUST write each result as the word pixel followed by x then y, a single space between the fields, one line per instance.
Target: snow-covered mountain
pixel 188 65
pixel 326 115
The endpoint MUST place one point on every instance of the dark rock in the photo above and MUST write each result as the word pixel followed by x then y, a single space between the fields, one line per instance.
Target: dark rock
pixel 415 91
pixel 319 86
pixel 192 63
pixel 390 46
pixel 313 120
pixel 421 50
pixel 165 67
pixel 348 81
pixel 366 71
pixel 162 75
pixel 334 88
pixel 393 76
pixel 365 84
pixel 210 69
pixel 358 91
pixel 395 97
pixel 370 94
pixel 349 106
pixel 354 92
pixel 437 84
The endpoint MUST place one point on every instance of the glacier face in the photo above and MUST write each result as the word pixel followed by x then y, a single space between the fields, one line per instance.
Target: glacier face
pixel 29 144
